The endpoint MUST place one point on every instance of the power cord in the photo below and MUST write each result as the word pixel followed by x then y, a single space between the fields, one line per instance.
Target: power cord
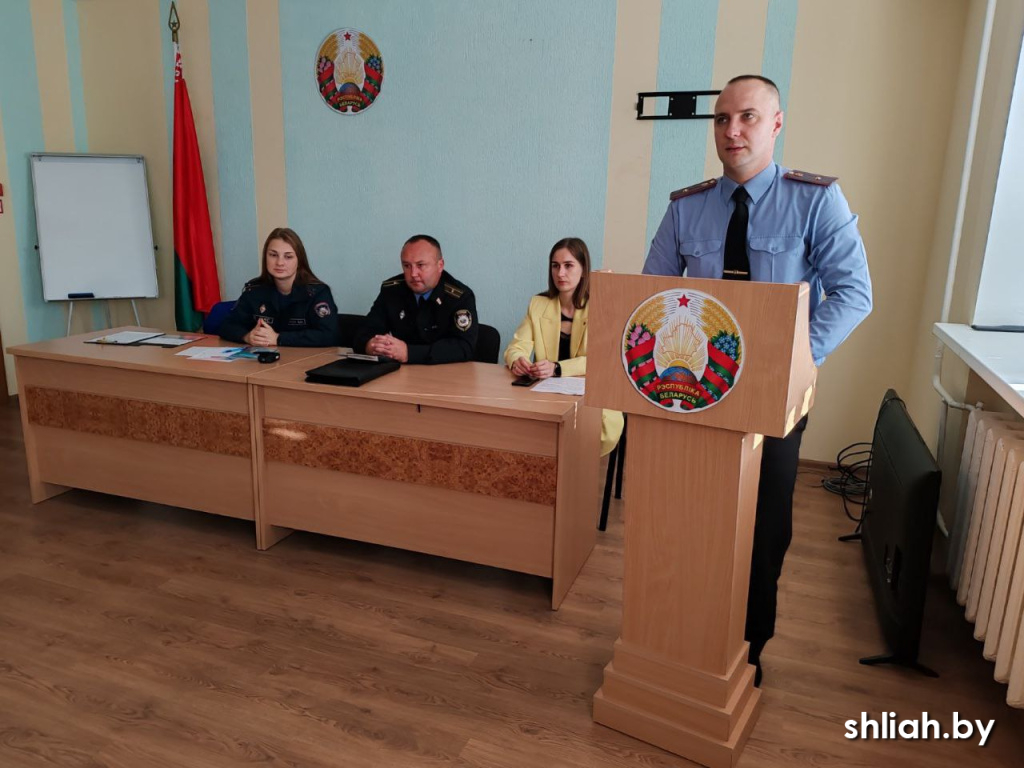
pixel 850 479
pixel 853 463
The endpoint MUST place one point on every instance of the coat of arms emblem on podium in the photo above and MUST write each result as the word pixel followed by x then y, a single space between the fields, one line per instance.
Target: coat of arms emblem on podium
pixel 683 350
pixel 349 71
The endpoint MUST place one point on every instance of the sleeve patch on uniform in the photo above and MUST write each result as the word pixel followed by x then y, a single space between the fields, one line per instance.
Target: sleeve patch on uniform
pixel 704 186
pixel 323 309
pixel 811 178
pixel 453 291
pixel 463 319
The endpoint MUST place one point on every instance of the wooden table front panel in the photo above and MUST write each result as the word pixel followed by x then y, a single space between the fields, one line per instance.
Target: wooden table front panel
pixel 169 439
pixel 471 486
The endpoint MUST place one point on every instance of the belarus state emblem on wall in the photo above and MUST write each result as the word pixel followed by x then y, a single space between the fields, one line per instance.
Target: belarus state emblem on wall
pixel 683 350
pixel 349 71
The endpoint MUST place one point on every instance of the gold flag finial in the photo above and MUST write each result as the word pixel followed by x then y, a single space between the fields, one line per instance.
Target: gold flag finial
pixel 173 23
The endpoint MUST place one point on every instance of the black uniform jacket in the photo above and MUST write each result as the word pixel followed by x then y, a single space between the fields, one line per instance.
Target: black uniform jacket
pixel 306 317
pixel 442 329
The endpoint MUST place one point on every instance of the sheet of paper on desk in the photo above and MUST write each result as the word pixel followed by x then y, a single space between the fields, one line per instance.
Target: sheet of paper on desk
pixel 214 354
pixel 169 340
pixel 125 337
pixel 565 385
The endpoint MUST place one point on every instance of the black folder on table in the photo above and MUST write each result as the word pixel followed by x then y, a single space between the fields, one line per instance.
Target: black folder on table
pixel 351 373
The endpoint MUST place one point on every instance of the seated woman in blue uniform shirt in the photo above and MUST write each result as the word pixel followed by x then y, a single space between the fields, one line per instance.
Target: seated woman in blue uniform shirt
pixel 554 330
pixel 287 305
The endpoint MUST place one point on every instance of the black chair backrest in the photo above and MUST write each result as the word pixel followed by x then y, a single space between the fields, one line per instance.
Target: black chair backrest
pixel 347 327
pixel 488 345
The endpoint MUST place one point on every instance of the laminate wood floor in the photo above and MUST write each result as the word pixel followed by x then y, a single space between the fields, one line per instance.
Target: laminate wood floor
pixel 138 636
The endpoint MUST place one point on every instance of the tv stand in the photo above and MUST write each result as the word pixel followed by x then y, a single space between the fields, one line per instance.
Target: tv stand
pixel 888 658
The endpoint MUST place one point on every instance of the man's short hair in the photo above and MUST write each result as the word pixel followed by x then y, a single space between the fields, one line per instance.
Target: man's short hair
pixel 425 239
pixel 760 78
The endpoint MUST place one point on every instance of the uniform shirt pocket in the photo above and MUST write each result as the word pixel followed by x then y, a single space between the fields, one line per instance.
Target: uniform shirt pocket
pixel 780 259
pixel 703 258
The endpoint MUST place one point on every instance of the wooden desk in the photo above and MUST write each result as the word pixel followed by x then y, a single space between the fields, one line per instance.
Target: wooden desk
pixel 141 422
pixel 448 460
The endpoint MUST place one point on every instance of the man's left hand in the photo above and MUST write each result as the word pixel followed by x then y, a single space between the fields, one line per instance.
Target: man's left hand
pixel 394 348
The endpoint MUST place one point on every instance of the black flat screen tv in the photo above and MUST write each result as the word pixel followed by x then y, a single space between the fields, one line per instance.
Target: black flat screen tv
pixel 898 526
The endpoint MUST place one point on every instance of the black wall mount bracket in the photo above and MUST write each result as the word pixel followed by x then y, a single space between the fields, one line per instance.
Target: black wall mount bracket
pixel 682 105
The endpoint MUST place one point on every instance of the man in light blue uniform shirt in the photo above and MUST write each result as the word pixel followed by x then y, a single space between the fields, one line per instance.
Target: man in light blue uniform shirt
pixel 794 227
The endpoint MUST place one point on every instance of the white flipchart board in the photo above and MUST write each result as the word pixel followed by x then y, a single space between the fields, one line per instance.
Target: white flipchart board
pixel 94 227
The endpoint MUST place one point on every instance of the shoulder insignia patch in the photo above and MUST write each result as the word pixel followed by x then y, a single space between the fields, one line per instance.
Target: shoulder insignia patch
pixel 811 178
pixel 391 283
pixel 453 291
pixel 255 282
pixel 704 186
pixel 463 320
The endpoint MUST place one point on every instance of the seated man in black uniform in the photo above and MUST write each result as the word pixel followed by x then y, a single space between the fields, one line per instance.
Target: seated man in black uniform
pixel 286 306
pixel 423 315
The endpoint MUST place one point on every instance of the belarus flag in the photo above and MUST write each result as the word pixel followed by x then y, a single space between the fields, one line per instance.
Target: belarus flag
pixel 196 287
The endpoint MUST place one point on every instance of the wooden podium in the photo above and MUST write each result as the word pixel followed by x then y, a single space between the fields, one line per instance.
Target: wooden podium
pixel 679 676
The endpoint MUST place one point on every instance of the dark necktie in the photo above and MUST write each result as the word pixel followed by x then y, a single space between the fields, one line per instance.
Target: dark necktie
pixel 737 263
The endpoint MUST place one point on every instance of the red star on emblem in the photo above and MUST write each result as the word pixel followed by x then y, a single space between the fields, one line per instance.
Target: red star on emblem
pixel 348 35
pixel 684 301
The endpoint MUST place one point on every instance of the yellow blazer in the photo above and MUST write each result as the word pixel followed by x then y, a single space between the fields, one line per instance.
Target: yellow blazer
pixel 538 336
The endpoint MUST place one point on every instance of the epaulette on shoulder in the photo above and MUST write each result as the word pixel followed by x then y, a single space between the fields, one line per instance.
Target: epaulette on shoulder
pixel 811 178
pixel 453 290
pixel 254 283
pixel 704 186
pixel 392 282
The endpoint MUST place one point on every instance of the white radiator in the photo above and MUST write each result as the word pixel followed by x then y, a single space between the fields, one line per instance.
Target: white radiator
pixel 986 556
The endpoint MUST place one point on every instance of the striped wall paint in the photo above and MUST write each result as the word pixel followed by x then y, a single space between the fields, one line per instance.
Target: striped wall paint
pixel 629 147
pixel 739 49
pixel 167 56
pixel 12 306
pixel 229 60
pixel 23 134
pixel 780 35
pixel 124 115
pixel 685 61
pixel 79 127
pixel 264 42
pixel 50 45
pixel 74 58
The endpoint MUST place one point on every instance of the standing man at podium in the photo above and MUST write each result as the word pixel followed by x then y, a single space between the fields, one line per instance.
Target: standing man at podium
pixel 761 222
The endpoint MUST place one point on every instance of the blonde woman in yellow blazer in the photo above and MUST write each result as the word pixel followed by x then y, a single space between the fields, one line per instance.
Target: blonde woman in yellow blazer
pixel 554 330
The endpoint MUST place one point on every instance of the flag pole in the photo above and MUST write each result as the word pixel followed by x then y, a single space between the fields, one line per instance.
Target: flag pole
pixel 196 285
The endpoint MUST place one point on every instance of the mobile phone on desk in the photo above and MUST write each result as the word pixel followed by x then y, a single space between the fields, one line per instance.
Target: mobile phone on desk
pixel 523 381
pixel 266 355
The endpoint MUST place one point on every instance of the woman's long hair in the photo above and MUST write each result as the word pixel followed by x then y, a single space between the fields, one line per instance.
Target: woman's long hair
pixel 579 251
pixel 303 274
